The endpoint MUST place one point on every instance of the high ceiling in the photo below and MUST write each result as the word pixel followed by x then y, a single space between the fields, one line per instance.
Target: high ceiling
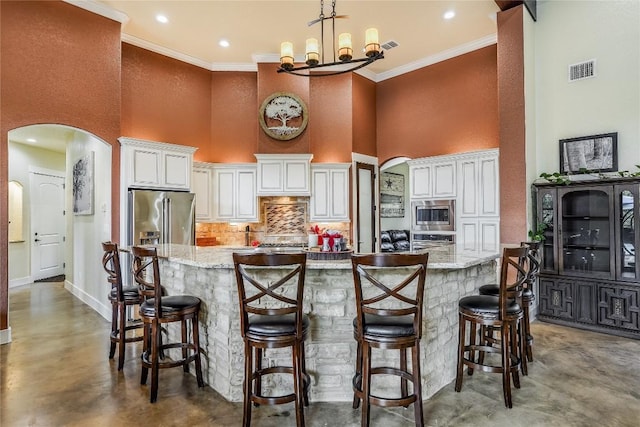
pixel 255 30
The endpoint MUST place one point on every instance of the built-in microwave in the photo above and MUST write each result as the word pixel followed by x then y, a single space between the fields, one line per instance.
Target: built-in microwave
pixel 433 215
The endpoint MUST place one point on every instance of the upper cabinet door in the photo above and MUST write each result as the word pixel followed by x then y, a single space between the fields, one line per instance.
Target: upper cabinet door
pixel 488 180
pixel 234 193
pixel 284 174
pixel 201 185
pixel 432 179
pixel 176 170
pixel 148 164
pixel 444 179
pixel 330 192
pixel 421 181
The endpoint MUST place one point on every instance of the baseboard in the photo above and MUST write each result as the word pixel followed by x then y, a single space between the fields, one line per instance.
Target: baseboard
pixel 103 310
pixel 5 335
pixel 21 281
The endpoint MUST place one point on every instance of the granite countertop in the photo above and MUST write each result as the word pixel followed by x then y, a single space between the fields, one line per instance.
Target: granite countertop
pixel 440 257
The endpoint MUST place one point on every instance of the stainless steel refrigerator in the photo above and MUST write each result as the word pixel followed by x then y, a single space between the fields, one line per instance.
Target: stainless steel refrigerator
pixel 157 217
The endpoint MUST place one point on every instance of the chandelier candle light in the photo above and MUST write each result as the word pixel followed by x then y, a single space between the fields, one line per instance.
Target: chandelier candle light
pixel 314 52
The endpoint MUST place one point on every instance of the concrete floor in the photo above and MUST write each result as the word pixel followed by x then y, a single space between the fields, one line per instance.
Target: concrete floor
pixel 56 372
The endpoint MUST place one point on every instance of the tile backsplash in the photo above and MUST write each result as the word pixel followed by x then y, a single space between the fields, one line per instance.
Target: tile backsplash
pixel 282 219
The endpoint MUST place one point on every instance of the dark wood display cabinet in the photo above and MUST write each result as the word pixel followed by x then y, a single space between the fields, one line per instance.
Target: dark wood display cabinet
pixel 590 274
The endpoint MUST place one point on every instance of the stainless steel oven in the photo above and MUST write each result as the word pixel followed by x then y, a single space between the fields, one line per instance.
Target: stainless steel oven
pixel 433 215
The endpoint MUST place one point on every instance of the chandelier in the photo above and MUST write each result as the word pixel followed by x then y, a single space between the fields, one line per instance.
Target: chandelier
pixel 314 52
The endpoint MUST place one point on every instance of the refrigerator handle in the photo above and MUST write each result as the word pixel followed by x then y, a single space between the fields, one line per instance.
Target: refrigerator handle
pixel 166 227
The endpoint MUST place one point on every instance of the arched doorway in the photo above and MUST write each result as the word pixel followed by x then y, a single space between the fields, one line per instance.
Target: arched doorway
pixel 48 150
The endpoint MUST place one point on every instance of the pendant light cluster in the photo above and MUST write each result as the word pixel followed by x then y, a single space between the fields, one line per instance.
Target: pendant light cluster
pixel 314 52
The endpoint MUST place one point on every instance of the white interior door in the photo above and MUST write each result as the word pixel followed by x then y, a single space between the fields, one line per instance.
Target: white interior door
pixel 365 212
pixel 47 225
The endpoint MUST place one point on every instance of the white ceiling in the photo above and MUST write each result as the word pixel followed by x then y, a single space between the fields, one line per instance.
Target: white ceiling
pixel 255 30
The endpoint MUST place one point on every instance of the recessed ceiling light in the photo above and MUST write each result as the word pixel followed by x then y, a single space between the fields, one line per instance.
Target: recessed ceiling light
pixel 224 43
pixel 32 140
pixel 162 19
pixel 449 14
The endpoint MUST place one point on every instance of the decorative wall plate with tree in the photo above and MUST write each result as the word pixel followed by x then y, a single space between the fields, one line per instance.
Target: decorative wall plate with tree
pixel 283 116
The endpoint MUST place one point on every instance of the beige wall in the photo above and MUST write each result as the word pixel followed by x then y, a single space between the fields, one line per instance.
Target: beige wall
pixel 569 32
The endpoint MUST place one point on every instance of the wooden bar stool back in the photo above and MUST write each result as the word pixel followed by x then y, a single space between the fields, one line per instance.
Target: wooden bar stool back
pixel 499 313
pixel 121 298
pixel 389 290
pixel 528 295
pixel 532 266
pixel 271 317
pixel 157 310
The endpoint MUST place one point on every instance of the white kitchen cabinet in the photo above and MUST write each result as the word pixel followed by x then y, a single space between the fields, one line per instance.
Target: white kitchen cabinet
pixel 202 186
pixel 234 193
pixel 158 165
pixel 284 174
pixel 478 188
pixel 478 235
pixel 329 192
pixel 432 178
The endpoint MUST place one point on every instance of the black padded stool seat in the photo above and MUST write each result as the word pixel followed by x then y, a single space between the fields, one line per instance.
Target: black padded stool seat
pixel 170 305
pixel 121 298
pixel 389 317
pixel 491 289
pixel 499 313
pixel 158 310
pixel 391 327
pixel 276 325
pixel 129 292
pixel 487 304
pixel 271 317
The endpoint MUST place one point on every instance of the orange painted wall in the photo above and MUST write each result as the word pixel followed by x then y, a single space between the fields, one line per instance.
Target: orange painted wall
pixel 330 118
pixel 234 118
pixel 165 100
pixel 60 64
pixel 364 115
pixel 513 207
pixel 449 107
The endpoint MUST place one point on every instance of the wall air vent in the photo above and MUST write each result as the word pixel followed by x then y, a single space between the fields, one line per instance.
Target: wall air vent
pixel 389 45
pixel 583 70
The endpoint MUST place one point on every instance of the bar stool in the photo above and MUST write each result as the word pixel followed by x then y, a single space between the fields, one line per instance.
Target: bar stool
pixel 271 317
pixel 389 317
pixel 121 297
pixel 501 313
pixel 528 296
pixel 156 310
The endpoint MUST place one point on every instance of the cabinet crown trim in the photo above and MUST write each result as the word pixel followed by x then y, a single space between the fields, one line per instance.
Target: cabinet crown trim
pixel 126 141
pixel 284 157
pixel 450 157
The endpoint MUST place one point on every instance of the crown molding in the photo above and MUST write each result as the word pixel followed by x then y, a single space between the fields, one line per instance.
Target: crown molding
pixel 439 57
pixel 100 9
pixel 165 51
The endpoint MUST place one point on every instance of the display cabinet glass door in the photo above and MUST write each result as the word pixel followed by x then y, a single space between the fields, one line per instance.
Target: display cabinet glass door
pixel 547 215
pixel 627 213
pixel 587 232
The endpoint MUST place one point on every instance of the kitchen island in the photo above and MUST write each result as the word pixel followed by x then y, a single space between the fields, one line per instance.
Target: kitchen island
pixel 329 300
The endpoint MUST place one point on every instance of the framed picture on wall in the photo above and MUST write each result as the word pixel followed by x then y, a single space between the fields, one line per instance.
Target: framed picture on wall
pixel 391 195
pixel 585 154
pixel 83 185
